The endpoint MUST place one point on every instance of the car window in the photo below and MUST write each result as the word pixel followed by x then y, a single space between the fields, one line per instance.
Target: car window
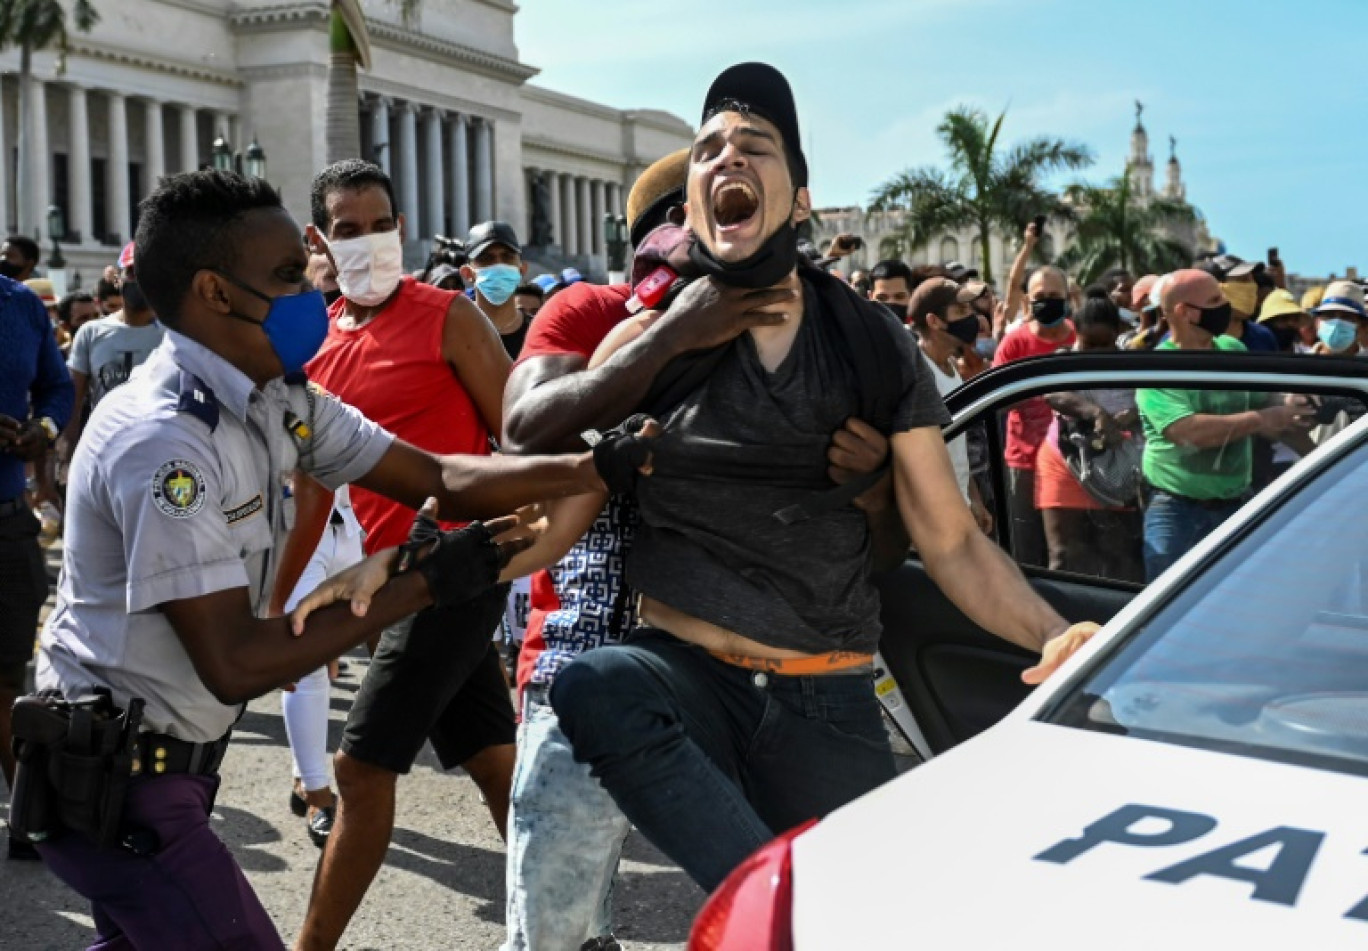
pixel 1263 653
pixel 1118 483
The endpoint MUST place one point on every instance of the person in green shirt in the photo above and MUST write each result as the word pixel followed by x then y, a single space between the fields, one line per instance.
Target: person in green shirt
pixel 1198 460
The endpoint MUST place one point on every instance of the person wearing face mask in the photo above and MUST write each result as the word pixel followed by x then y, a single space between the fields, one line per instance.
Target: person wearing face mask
pixel 104 352
pixel 19 257
pixel 1120 287
pixel 1286 319
pixel 941 314
pixel 1198 460
pixel 891 285
pixel 177 507
pixel 427 364
pixel 738 651
pixel 496 270
pixel 1239 281
pixel 1047 331
pixel 1340 320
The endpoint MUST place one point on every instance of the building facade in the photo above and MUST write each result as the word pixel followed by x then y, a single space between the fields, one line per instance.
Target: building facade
pixel 880 228
pixel 446 108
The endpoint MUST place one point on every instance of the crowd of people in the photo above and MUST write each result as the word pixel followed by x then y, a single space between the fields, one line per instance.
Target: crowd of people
pixel 666 498
pixel 1119 483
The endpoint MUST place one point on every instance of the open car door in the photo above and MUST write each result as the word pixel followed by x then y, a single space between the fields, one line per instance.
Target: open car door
pixel 957 679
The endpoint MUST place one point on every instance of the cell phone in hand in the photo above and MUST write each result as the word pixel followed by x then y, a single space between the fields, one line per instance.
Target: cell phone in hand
pixel 1273 257
pixel 1039 225
pixel 853 242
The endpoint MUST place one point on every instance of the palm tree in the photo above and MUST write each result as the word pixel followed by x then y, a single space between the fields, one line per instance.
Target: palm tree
pixel 349 48
pixel 1117 228
pixel 36 25
pixel 983 188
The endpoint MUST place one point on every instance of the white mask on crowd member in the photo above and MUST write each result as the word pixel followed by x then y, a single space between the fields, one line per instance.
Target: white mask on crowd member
pixel 368 267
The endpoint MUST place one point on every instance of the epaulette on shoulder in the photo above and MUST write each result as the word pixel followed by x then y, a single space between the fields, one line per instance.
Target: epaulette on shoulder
pixel 198 400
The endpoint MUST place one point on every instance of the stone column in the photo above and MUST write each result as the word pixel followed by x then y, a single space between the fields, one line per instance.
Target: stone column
pixel 38 189
pixel 81 213
pixel 119 217
pixel 569 219
pixel 380 142
pixel 189 138
pixel 434 198
pixel 407 161
pixel 460 177
pixel 586 216
pixel 156 144
pixel 599 206
pixel 557 220
pixel 484 171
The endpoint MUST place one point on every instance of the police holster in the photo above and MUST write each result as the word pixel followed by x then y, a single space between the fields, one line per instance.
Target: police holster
pixel 75 760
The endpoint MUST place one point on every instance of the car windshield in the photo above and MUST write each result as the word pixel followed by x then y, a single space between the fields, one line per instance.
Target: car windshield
pixel 1265 653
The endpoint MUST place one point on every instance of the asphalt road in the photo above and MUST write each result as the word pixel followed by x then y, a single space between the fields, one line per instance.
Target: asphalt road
pixel 442 885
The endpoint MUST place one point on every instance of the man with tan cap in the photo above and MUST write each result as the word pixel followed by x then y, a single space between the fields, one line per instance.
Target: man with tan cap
pixel 1198 461
pixel 1287 320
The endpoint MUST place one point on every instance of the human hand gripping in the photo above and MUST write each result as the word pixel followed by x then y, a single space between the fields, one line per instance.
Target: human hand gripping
pixel 457 565
pixel 708 313
pixel 1058 650
pixel 857 449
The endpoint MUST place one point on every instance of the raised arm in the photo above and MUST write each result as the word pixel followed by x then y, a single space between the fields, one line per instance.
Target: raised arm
pixel 548 404
pixel 1015 278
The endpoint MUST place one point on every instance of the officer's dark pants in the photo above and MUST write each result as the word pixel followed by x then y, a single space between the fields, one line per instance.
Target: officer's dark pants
pixel 190 895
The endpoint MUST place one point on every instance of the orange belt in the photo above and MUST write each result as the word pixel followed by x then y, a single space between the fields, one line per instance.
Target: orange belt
pixel 828 663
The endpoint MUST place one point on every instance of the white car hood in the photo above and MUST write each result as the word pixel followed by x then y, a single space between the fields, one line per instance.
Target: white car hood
pixel 945 857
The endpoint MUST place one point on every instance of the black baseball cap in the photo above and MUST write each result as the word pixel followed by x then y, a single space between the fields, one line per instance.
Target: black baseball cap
pixel 491 232
pixel 763 90
pixel 1225 266
pixel 959 273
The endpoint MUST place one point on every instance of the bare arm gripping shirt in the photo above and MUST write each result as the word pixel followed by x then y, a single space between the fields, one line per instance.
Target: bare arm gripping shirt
pixel 711 547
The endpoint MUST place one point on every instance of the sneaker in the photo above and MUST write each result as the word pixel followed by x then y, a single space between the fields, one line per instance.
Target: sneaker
pixel 321 824
pixel 21 849
pixel 604 943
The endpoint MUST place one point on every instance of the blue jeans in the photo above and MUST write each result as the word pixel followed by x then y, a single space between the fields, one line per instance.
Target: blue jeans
pixel 709 760
pixel 564 838
pixel 1174 525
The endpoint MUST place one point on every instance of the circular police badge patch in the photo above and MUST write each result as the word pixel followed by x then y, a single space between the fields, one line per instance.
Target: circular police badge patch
pixel 178 489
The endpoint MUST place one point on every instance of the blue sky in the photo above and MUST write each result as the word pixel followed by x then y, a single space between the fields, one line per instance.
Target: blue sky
pixel 1265 97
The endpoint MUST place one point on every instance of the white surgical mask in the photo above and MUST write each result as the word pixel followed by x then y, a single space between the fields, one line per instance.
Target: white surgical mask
pixel 368 267
pixel 1130 317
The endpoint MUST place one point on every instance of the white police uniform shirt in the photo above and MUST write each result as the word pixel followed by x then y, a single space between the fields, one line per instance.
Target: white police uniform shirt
pixel 178 489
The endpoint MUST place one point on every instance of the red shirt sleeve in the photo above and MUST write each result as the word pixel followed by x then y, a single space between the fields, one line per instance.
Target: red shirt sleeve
pixel 576 320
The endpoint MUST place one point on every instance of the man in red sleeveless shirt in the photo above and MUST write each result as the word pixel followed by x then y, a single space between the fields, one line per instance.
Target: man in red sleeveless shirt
pixel 427 365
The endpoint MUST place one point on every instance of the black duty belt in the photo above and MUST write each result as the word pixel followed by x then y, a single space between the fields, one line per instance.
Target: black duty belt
pixel 158 755
pixel 10 507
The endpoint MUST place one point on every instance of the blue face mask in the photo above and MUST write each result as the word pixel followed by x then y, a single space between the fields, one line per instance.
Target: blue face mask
pixel 497 282
pixel 296 324
pixel 1338 335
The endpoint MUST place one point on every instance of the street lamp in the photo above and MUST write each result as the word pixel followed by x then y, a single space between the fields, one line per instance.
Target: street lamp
pixel 251 163
pixel 254 160
pixel 56 264
pixel 221 154
pixel 615 239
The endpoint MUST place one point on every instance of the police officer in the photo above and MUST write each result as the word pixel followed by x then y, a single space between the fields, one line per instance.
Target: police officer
pixel 177 501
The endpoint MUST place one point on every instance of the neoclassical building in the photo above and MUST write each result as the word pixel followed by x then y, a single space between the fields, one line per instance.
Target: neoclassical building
pixel 964 247
pixel 447 108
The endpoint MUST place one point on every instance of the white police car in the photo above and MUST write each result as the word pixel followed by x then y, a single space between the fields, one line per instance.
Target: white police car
pixel 1196 777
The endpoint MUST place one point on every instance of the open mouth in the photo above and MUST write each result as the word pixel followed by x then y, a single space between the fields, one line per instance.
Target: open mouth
pixel 734 204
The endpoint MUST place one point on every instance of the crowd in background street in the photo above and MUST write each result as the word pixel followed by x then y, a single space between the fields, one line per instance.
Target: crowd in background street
pixel 236 432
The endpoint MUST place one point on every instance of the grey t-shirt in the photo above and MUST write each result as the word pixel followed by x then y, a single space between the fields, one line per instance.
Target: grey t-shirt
pixel 107 350
pixel 711 546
